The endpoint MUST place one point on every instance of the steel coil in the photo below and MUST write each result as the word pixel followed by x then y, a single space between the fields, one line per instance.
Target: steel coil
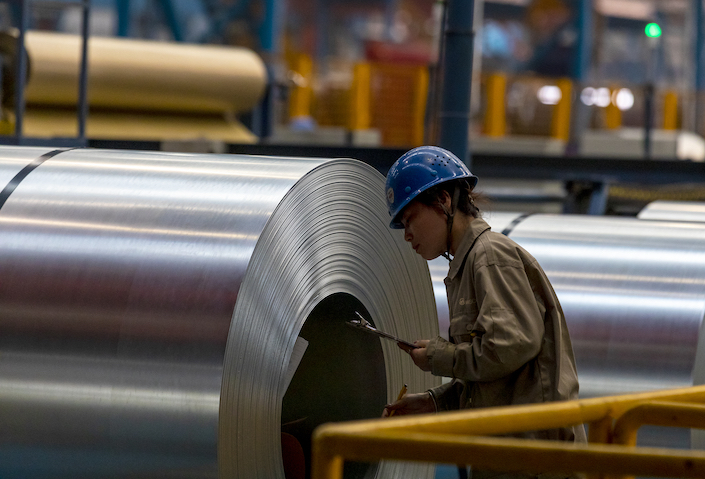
pixel 150 304
pixel 633 293
pixel 674 211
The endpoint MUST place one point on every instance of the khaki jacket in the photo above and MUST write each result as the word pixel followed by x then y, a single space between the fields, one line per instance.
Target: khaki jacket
pixel 509 343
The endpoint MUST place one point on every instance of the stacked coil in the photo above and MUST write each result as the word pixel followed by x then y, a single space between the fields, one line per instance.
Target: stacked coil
pixel 138 90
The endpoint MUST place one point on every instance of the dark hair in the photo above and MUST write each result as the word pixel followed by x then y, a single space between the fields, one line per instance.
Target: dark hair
pixel 467 199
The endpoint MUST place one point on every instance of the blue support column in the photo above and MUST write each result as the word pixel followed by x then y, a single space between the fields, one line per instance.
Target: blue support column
pixel 322 19
pixel 172 21
pixel 83 74
pixel 583 47
pixel 21 72
pixel 699 50
pixel 270 36
pixel 457 77
pixel 699 46
pixel 271 29
pixel 580 73
pixel 122 8
pixel 390 9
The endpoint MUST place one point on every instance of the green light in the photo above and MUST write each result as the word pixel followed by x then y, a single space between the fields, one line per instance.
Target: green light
pixel 653 30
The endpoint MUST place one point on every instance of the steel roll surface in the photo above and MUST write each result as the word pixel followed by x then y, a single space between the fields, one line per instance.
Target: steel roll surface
pixel 151 305
pixel 633 293
pixel 674 211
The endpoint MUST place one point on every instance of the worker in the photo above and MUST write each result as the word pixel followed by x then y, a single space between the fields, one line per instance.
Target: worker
pixel 508 339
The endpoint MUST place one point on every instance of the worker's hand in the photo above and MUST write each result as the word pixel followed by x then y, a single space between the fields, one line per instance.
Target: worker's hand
pixel 419 403
pixel 418 354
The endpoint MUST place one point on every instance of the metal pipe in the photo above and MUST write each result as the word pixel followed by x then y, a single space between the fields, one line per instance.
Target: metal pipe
pixel 83 75
pixel 21 72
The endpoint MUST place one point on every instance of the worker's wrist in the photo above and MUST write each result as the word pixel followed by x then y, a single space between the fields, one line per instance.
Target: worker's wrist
pixel 433 399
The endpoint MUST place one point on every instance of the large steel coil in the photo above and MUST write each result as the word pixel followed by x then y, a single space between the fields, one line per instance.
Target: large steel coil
pixel 150 304
pixel 692 211
pixel 633 293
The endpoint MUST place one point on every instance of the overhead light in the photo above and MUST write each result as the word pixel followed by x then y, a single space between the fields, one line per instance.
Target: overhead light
pixel 587 96
pixel 623 99
pixel 602 97
pixel 549 95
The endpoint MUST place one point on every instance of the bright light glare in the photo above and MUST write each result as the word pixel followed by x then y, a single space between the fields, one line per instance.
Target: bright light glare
pixel 623 99
pixel 588 96
pixel 549 95
pixel 602 97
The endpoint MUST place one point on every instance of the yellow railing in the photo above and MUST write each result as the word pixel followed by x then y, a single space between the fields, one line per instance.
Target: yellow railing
pixel 461 437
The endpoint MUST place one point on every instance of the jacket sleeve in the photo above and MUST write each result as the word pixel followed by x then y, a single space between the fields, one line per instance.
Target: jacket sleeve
pixel 509 328
pixel 447 396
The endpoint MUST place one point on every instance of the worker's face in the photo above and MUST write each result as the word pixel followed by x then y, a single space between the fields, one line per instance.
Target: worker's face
pixel 425 228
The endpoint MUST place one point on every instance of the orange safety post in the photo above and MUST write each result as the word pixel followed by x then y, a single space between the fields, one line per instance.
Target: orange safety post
pixel 360 94
pixel 302 91
pixel 613 115
pixel 418 109
pixel 670 110
pixel 560 123
pixel 495 112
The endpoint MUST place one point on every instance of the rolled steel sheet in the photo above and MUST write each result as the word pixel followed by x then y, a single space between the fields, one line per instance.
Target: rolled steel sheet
pixel 150 304
pixel 633 293
pixel 129 74
pixel 674 211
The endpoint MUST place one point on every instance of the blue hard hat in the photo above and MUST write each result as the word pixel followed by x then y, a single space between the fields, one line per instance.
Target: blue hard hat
pixel 418 170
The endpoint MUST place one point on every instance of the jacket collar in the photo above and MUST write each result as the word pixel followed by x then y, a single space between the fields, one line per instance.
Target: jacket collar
pixel 476 228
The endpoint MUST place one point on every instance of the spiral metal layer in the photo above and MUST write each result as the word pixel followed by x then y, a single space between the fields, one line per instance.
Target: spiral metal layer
pixel 150 303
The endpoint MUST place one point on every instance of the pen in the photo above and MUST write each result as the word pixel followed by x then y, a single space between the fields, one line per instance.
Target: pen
pixel 401 395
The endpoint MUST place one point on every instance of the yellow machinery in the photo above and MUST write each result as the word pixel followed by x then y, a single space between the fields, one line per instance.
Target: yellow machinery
pixel 462 438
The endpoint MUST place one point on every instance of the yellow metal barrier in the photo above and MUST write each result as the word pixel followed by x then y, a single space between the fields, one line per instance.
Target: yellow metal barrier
pixel 495 116
pixel 656 413
pixel 613 115
pixel 360 97
pixel 302 91
pixel 670 110
pixel 455 438
pixel 560 122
